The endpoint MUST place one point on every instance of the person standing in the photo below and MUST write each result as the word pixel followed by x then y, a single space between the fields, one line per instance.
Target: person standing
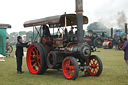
pixel 116 42
pixel 125 49
pixel 19 53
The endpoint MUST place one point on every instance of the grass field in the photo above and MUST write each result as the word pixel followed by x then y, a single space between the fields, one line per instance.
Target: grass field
pixel 114 73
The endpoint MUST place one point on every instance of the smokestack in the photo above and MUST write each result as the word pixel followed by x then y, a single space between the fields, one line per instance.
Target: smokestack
pixel 126 28
pixel 79 17
pixel 111 32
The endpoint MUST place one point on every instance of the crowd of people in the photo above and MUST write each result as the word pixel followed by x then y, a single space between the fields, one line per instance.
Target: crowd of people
pixel 124 47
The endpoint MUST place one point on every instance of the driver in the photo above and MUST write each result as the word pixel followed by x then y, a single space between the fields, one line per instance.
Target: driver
pixel 46 31
pixel 71 31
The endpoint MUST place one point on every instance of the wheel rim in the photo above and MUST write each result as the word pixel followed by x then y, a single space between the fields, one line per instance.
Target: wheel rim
pixel 94 66
pixel 68 68
pixel 98 43
pixel 9 49
pixel 33 59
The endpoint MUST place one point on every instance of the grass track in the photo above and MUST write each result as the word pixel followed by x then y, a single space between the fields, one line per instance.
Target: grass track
pixel 114 73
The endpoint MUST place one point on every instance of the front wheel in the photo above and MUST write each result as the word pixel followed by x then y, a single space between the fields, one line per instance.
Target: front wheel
pixel 70 68
pixel 95 64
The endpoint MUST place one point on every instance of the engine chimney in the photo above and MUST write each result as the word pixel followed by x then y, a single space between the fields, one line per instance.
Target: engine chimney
pixel 79 17
pixel 126 28
pixel 111 32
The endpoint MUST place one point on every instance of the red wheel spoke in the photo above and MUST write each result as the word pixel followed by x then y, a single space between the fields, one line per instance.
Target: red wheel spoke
pixel 34 64
pixel 32 60
pixel 71 73
pixel 33 53
pixel 94 62
pixel 68 63
pixel 37 52
pixel 38 64
pixel 71 68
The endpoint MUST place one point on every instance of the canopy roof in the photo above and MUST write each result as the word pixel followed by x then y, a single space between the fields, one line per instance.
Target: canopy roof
pixel 5 26
pixel 57 21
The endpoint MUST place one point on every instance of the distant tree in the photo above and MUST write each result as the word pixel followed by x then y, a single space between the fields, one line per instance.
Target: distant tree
pixel 97 26
pixel 29 35
pixel 22 33
pixel 14 34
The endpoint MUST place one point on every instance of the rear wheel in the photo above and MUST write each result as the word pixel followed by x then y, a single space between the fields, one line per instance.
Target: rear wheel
pixel 9 49
pixel 36 59
pixel 98 42
pixel 95 64
pixel 70 68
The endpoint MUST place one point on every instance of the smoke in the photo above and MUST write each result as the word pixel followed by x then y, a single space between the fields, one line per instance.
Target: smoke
pixel 97 26
pixel 121 20
pixel 114 20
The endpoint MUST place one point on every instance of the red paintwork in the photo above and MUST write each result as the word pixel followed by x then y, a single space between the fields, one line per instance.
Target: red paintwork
pixel 88 39
pixel 70 47
pixel 108 41
pixel 58 42
pixel 31 54
pixel 68 68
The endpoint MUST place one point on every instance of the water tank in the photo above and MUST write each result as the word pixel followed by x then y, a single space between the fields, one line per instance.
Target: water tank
pixel 3 28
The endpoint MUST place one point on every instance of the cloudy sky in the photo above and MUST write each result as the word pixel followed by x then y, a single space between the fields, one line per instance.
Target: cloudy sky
pixel 16 12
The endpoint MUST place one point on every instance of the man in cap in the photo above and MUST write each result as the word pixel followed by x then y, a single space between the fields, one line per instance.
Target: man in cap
pixel 19 53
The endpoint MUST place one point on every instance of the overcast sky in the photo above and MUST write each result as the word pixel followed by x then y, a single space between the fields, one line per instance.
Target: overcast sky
pixel 16 12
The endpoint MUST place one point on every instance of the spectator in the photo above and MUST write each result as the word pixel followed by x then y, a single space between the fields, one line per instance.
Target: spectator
pixel 19 53
pixel 125 48
pixel 116 42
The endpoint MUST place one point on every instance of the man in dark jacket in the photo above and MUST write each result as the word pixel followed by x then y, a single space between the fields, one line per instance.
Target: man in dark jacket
pixel 19 53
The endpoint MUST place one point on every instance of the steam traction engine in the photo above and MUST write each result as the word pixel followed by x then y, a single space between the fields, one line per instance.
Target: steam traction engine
pixel 94 40
pixel 109 43
pixel 61 50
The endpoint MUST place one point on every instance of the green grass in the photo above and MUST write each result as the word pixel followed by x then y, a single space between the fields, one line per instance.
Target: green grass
pixel 114 73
